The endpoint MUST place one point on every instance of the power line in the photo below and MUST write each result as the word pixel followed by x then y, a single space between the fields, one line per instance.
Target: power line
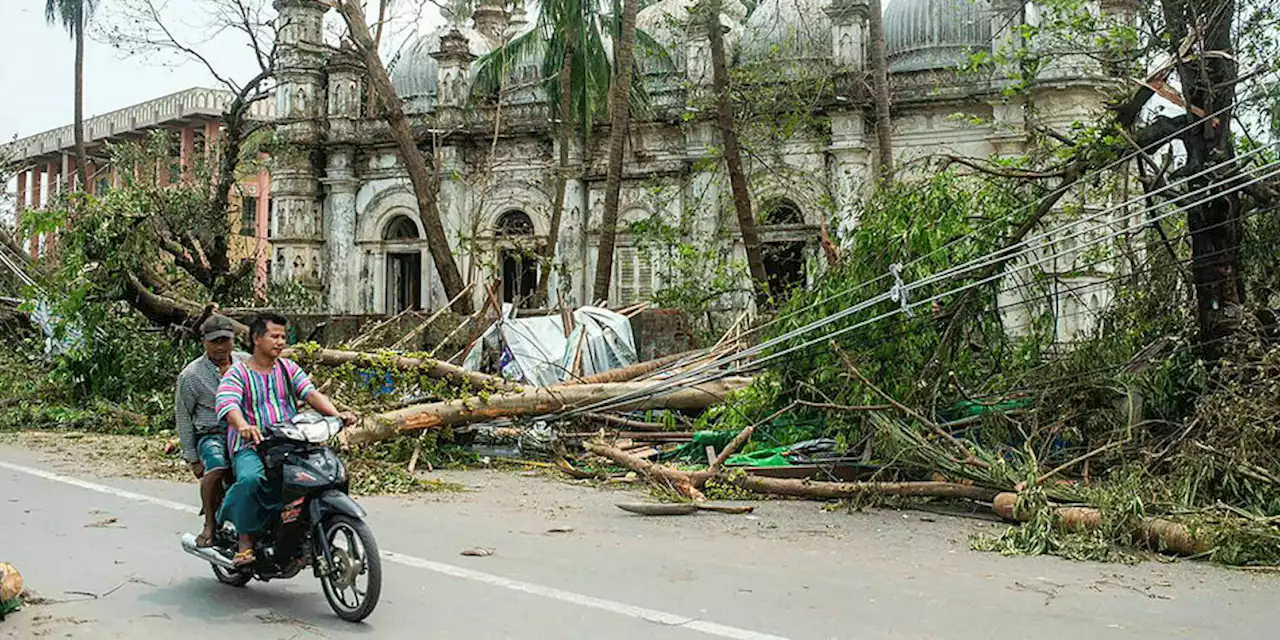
pixel 686 378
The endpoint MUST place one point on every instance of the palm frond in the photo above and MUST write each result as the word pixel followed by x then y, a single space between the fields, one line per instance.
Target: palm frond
pixel 654 49
pixel 496 65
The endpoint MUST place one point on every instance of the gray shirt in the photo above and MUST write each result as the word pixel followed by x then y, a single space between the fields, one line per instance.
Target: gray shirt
pixel 193 405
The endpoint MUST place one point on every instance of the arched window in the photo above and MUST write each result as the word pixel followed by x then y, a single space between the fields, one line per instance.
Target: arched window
pixel 784 260
pixel 404 267
pixel 782 212
pixel 519 265
pixel 514 223
pixel 402 228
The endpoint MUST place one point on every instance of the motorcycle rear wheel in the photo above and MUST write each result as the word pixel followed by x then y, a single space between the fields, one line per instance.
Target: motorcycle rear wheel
pixel 355 556
pixel 233 578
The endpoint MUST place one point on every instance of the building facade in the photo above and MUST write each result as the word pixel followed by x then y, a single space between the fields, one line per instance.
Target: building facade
pixel 45 164
pixel 343 219
pixel 346 222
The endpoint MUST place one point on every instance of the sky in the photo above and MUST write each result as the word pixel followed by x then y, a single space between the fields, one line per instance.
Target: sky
pixel 38 71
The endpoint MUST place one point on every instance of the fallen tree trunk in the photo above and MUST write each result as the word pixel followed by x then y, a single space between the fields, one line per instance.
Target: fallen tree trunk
pixel 535 401
pixel 690 483
pixel 433 368
pixel 631 372
pixel 616 421
pixel 843 490
pixel 687 483
pixel 1154 533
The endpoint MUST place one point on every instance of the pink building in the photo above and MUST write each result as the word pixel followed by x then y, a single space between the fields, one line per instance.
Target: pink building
pixel 46 164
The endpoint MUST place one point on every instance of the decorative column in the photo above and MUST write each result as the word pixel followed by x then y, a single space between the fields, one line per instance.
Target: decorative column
pixel 1006 18
pixel 453 63
pixel 697 60
pixel 340 229
pixel 262 231
pixel 491 21
pixel 341 184
pixel 569 275
pixel 298 232
pixel 849 33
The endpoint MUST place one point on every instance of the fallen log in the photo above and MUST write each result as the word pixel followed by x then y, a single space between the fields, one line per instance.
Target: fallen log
pixel 616 421
pixel 843 490
pixel 638 436
pixel 1157 534
pixel 536 401
pixel 433 368
pixel 686 483
pixel 630 372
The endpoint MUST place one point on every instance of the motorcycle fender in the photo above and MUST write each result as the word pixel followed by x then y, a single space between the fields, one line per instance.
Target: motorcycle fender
pixel 334 501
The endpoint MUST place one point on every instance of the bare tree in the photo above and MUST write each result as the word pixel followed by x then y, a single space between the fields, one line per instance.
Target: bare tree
pixel 144 28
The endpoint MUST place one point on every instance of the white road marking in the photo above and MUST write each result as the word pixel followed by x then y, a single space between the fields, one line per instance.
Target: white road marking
pixel 591 602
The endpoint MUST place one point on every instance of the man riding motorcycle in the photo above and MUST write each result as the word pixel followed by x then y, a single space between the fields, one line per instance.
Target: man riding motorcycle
pixel 202 434
pixel 261 390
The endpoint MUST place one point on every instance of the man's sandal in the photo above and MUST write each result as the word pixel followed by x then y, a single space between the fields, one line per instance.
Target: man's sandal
pixel 244 558
pixel 204 541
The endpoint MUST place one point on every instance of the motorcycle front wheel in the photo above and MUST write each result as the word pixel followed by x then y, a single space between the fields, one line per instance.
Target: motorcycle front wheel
pixel 354 581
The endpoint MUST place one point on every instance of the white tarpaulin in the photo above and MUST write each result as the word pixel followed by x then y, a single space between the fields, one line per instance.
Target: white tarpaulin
pixel 536 351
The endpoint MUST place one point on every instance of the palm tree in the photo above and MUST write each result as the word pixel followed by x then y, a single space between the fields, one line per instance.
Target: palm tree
pixel 619 118
pixel 73 15
pixel 880 92
pixel 732 153
pixel 570 47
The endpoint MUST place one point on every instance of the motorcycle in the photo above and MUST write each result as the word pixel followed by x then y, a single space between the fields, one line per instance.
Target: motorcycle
pixel 319 524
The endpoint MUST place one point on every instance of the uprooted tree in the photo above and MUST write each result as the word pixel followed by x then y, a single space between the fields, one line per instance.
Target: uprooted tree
pixel 166 248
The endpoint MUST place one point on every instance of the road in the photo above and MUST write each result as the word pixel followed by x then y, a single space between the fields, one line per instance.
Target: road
pixel 102 554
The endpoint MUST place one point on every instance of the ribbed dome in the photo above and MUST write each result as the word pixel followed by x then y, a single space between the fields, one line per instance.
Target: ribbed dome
pixel 935 34
pixel 414 71
pixel 787 30
pixel 670 23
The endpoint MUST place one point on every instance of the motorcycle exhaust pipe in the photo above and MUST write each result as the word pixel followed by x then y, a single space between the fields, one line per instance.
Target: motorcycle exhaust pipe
pixel 208 554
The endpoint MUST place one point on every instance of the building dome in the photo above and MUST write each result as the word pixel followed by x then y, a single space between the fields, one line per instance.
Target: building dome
pixel 935 34
pixel 787 30
pixel 670 23
pixel 414 71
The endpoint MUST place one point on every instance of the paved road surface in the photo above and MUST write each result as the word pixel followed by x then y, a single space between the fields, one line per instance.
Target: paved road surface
pixel 790 571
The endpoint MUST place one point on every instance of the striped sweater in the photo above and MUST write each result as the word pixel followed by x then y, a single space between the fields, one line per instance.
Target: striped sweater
pixel 262 398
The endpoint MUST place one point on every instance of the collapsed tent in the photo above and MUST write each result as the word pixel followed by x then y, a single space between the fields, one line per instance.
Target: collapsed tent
pixel 538 350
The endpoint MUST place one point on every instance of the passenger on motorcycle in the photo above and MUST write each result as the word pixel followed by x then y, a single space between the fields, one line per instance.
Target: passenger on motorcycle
pixel 262 390
pixel 201 433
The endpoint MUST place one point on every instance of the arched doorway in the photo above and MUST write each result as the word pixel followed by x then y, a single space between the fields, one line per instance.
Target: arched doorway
pixel 783 248
pixel 404 265
pixel 517 261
